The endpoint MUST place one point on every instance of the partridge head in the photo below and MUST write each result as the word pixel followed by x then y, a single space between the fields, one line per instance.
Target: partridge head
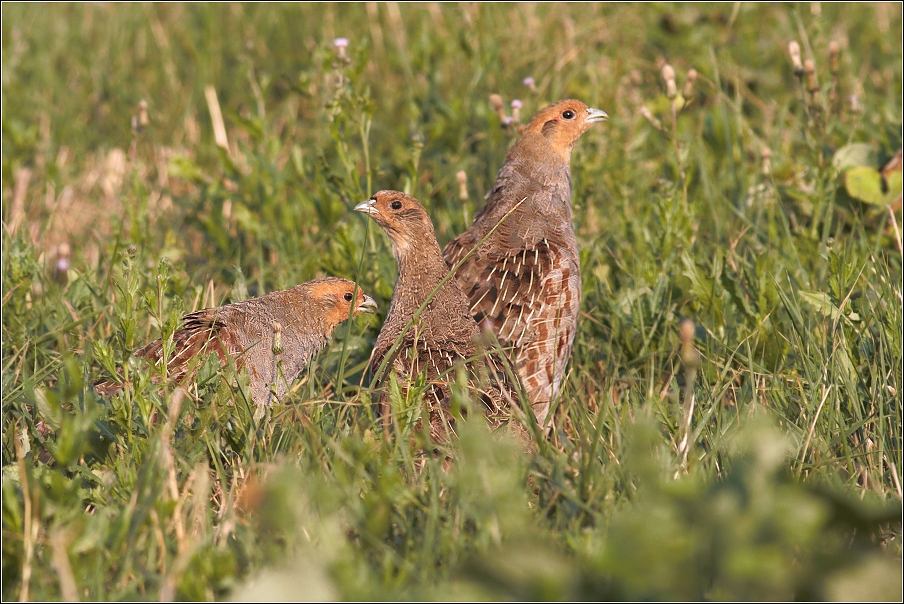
pixel 556 128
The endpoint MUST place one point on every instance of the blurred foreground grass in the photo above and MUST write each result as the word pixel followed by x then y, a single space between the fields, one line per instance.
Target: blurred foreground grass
pixel 767 468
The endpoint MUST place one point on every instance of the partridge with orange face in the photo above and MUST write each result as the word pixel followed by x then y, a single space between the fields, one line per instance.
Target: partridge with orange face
pixel 443 335
pixel 274 337
pixel 524 282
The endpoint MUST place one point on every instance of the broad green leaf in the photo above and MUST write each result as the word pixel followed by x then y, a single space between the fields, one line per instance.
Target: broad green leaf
pixel 821 302
pixel 894 186
pixel 855 154
pixel 865 184
pixel 49 407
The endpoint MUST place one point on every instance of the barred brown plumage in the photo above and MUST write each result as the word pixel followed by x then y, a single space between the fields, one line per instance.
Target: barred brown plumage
pixel 274 336
pixel 524 281
pixel 444 336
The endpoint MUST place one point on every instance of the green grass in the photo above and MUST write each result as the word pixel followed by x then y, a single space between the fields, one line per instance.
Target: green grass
pixel 789 481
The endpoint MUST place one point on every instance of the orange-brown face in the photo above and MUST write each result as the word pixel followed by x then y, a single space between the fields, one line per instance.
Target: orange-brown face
pixel 564 122
pixel 402 217
pixel 341 296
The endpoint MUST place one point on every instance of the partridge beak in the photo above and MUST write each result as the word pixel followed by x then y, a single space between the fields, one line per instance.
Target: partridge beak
pixel 367 207
pixel 368 305
pixel 596 115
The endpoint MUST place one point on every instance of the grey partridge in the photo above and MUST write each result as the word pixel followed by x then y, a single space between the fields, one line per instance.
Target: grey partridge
pixel 524 282
pixel 274 336
pixel 443 337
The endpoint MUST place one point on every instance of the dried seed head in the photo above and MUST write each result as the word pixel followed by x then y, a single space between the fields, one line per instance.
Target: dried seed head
pixel 671 90
pixel 834 49
pixel 341 44
pixel 62 264
pixel 650 117
pixel 794 51
pixel 277 338
pixel 496 102
pixel 810 70
pixel 462 177
pixel 516 110
pixel 143 113
pixel 668 74
pixel 689 355
pixel 686 331
pixel 689 84
pixel 766 157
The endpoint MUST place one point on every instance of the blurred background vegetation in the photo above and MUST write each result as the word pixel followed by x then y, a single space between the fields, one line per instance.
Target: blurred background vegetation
pixel 160 158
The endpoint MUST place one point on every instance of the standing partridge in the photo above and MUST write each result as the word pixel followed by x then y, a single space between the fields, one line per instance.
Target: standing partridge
pixel 524 282
pixel 443 336
pixel 274 336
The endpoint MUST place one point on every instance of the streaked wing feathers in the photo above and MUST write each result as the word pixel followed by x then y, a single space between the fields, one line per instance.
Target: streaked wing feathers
pixel 204 332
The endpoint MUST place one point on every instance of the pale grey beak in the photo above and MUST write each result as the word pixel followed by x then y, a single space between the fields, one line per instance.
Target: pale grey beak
pixel 596 115
pixel 368 305
pixel 367 207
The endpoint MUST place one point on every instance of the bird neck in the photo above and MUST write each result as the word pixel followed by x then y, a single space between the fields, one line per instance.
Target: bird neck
pixel 422 262
pixel 421 270
pixel 542 186
pixel 541 152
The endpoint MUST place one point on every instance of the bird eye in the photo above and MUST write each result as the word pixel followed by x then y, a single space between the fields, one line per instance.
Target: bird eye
pixel 396 205
pixel 568 114
pixel 348 297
